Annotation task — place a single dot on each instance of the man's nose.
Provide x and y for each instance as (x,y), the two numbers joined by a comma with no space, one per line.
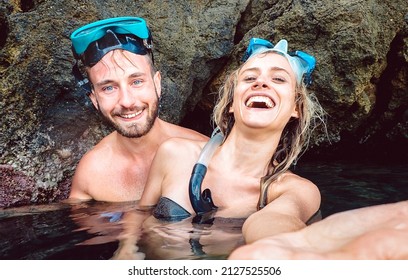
(127,98)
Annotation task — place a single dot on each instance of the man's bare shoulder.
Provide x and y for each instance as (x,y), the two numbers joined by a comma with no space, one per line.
(92,164)
(100,154)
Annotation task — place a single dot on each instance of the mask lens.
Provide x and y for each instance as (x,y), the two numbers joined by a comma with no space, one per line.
(106,26)
(255,45)
(301,62)
(82,37)
(308,64)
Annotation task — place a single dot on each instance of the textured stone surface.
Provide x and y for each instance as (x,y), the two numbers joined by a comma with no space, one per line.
(47,123)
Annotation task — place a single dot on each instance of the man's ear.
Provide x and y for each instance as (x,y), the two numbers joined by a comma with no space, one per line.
(157,83)
(92,96)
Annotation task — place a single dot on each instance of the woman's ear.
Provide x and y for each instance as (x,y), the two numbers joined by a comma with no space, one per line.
(295,113)
(296,109)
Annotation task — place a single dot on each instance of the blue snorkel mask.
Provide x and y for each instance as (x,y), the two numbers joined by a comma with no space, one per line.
(92,41)
(302,63)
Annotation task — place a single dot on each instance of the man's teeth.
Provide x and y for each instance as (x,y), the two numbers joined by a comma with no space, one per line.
(129,116)
(259,102)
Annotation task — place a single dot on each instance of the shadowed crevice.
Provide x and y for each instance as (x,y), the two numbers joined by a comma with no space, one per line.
(27,5)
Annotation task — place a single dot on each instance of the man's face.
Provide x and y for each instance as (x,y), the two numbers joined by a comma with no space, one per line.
(126,92)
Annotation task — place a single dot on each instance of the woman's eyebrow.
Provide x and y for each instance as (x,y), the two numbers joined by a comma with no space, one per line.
(271,69)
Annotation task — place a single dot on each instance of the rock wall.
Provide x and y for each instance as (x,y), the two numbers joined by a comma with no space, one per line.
(47,123)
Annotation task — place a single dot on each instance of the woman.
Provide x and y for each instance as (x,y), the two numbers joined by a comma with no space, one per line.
(265,114)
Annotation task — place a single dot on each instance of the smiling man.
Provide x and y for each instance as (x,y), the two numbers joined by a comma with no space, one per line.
(125,88)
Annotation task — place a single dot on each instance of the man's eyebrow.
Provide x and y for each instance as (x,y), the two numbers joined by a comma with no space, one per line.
(103,82)
(107,81)
(137,74)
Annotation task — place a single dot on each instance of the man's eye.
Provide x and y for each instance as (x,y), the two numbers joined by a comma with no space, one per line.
(108,88)
(137,82)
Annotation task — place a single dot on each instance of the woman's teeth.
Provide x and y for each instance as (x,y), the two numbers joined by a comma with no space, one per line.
(259,102)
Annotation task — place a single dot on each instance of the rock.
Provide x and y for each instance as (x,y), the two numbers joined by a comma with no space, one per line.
(48,123)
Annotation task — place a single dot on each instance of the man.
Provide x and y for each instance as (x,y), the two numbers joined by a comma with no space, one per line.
(125,88)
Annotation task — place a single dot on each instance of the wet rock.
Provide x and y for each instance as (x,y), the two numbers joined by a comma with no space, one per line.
(48,123)
(16,189)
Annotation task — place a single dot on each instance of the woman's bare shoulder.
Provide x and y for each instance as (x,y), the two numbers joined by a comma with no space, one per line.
(296,188)
(180,146)
(290,180)
(176,131)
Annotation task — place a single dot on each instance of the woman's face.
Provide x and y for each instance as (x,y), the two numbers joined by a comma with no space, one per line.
(265,93)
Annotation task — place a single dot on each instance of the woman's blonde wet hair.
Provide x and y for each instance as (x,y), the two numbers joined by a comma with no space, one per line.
(295,136)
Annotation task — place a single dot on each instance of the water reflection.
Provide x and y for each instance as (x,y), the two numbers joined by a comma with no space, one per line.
(98,230)
(59,231)
(185,240)
(350,185)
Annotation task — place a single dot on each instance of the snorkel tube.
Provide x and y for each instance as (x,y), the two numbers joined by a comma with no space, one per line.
(202,202)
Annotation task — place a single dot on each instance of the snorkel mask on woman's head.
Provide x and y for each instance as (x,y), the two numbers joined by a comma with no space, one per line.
(92,41)
(302,63)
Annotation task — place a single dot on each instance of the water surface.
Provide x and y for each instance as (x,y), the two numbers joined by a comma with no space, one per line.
(99,230)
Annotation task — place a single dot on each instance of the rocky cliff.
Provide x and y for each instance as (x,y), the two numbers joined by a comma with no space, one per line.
(47,123)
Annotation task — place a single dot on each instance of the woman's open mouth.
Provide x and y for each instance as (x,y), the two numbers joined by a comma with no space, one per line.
(260,101)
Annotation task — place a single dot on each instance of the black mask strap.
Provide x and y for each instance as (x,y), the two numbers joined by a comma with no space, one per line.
(80,79)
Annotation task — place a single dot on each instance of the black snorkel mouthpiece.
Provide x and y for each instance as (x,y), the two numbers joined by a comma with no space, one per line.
(202,202)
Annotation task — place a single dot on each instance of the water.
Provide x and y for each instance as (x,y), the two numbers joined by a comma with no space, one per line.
(349,185)
(98,230)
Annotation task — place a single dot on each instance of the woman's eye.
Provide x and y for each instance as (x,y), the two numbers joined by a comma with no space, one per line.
(249,78)
(279,79)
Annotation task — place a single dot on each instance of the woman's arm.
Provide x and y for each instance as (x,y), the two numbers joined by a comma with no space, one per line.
(292,201)
(171,168)
(159,168)
(375,232)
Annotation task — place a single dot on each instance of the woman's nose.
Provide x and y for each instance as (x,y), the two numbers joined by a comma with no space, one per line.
(259,83)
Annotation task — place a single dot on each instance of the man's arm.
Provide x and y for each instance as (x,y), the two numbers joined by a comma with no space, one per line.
(79,189)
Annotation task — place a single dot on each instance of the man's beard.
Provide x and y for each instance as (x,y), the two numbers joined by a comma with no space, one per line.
(136,130)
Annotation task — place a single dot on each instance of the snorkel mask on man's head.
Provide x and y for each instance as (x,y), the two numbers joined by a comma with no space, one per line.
(91,42)
(302,63)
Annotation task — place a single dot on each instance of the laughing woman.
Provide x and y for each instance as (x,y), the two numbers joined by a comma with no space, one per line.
(265,115)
